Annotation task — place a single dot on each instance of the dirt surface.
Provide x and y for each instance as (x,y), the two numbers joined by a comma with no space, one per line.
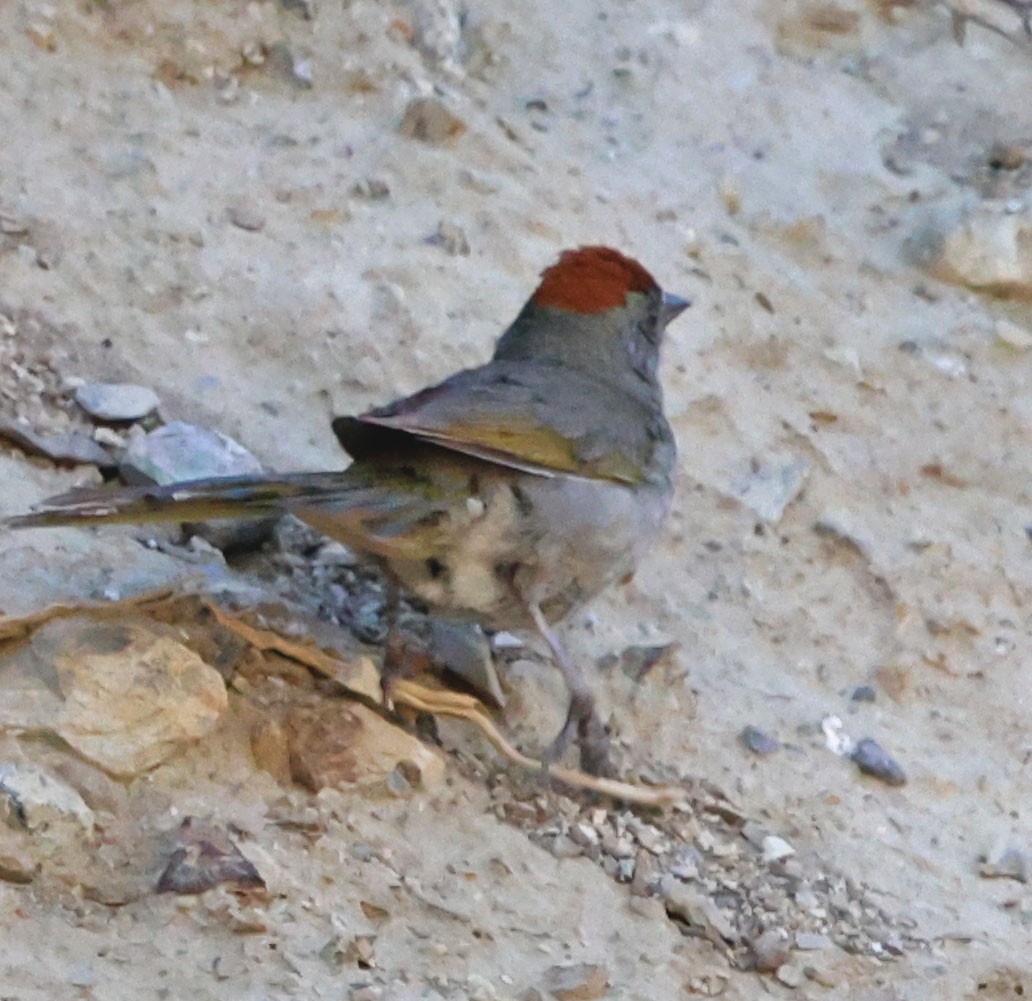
(240,206)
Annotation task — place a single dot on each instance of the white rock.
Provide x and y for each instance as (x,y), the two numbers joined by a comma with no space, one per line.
(1018,338)
(774,848)
(41,798)
(835,738)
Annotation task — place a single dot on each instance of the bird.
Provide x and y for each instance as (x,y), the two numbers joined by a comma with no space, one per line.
(510,494)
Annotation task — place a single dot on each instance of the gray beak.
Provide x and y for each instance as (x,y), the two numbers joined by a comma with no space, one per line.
(671,307)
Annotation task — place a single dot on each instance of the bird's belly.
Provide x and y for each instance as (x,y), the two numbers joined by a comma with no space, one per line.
(550,541)
(597,532)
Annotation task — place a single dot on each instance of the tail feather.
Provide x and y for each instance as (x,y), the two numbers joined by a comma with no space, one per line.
(192,500)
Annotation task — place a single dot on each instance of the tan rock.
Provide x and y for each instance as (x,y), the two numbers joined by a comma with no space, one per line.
(429,121)
(578,982)
(347,744)
(989,250)
(271,749)
(124,697)
(17,862)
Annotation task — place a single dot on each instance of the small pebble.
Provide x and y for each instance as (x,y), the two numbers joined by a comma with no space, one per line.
(770,951)
(836,739)
(754,833)
(507,641)
(367,992)
(246,216)
(821,976)
(646,877)
(696,908)
(648,907)
(304,75)
(362,852)
(579,982)
(811,941)
(873,760)
(625,869)
(584,834)
(1007,156)
(893,945)
(863,693)
(450,238)
(335,554)
(616,845)
(564,847)
(791,975)
(686,864)
(479,988)
(112,401)
(1013,336)
(373,189)
(1008,863)
(108,438)
(82,975)
(775,849)
(754,739)
(397,784)
(428,120)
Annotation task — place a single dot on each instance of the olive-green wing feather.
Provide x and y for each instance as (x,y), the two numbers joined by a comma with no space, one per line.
(542,419)
(190,500)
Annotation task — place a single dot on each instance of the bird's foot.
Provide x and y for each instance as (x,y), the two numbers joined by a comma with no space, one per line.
(585,725)
(404,656)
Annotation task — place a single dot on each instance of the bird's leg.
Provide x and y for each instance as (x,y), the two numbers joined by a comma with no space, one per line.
(393,666)
(582,721)
(404,656)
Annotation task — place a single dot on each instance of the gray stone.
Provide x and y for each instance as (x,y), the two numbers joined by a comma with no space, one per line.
(872,759)
(1007,862)
(245,215)
(769,950)
(180,451)
(791,975)
(811,941)
(114,401)
(69,446)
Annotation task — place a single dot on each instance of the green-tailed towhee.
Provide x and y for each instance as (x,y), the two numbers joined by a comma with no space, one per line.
(510,493)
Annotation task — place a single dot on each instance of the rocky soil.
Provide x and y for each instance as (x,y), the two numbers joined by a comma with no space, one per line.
(269,213)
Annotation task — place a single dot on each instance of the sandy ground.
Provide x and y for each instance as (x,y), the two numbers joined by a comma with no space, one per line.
(219,201)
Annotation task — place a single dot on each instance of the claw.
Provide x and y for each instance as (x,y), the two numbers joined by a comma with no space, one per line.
(584,724)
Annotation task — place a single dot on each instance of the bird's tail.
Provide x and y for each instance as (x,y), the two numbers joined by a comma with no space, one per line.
(191,500)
